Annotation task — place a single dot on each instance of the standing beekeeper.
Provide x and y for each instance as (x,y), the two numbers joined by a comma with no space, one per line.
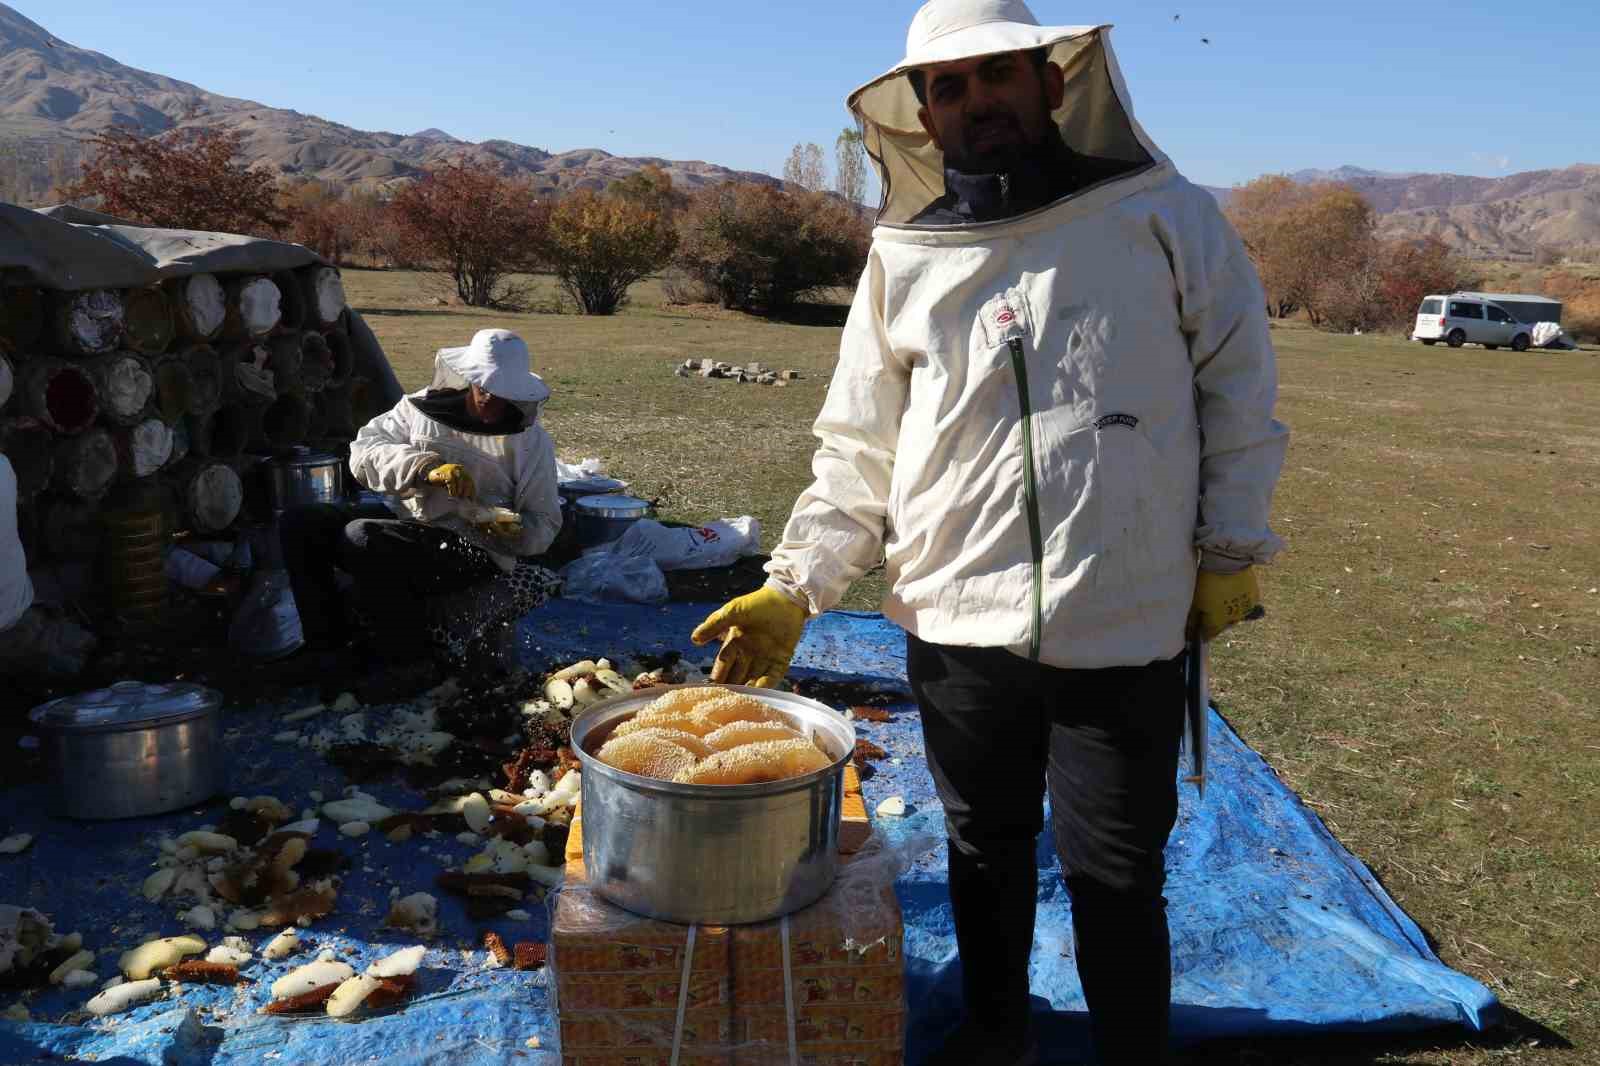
(1052,418)
(470,478)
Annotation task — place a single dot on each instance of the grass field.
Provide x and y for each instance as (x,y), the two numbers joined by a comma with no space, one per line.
(1428,677)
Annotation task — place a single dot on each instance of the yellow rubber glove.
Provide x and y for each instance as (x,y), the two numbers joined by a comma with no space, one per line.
(759,633)
(1224,600)
(455,479)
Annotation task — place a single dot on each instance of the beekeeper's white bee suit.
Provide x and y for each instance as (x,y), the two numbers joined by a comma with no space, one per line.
(1017,417)
(514,470)
(1052,418)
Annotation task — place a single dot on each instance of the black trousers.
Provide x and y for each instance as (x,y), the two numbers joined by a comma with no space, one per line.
(998,729)
(396,565)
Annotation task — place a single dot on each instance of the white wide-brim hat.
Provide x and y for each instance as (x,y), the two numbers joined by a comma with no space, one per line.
(943,31)
(497,362)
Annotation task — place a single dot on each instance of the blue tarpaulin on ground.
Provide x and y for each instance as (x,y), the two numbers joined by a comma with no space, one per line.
(1277,929)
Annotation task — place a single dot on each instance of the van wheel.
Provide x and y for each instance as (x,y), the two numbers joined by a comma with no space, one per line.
(1520,342)
(1456,338)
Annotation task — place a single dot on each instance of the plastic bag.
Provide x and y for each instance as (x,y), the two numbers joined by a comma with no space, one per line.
(1550,335)
(267,625)
(577,471)
(608,577)
(690,548)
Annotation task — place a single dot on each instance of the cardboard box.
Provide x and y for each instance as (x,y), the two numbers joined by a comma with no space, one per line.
(618,978)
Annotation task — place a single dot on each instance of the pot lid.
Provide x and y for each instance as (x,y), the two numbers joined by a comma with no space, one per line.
(591,486)
(127,704)
(300,455)
(614,506)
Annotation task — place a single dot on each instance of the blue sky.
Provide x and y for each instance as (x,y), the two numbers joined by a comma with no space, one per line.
(1473,87)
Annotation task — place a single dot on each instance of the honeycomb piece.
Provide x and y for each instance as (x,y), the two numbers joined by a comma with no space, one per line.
(689,742)
(770,760)
(680,700)
(736,707)
(678,721)
(737,734)
(646,756)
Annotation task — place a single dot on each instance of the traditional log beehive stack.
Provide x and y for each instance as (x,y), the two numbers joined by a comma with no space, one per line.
(179,388)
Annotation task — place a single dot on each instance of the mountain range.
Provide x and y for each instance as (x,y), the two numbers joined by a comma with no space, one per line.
(54,95)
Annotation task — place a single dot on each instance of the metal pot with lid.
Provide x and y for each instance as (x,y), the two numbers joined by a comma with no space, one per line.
(300,475)
(602,519)
(133,749)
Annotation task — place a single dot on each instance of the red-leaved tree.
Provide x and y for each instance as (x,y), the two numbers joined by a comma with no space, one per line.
(184,179)
(474,224)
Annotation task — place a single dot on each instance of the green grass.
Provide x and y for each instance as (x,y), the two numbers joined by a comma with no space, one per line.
(1427,678)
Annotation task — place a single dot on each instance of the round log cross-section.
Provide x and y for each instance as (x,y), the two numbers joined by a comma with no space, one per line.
(90,322)
(174,396)
(254,307)
(325,297)
(124,383)
(209,494)
(86,464)
(148,322)
(61,395)
(144,448)
(200,306)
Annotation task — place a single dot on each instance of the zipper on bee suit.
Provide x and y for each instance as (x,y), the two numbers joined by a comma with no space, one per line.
(1030,492)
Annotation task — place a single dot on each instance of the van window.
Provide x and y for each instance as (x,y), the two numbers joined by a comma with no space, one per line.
(1497,315)
(1461,310)
(1430,307)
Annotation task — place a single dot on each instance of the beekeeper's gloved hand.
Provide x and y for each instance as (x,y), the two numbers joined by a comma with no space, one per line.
(455,479)
(759,633)
(1224,600)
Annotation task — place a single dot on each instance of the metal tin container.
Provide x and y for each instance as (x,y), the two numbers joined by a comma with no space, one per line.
(717,854)
(602,519)
(133,749)
(577,489)
(301,475)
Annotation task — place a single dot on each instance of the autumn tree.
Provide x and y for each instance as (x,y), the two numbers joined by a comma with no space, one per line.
(805,167)
(320,218)
(1309,243)
(1412,269)
(598,246)
(850,165)
(762,249)
(474,224)
(650,187)
(188,178)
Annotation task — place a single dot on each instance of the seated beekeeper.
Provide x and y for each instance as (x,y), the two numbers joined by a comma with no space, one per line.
(1052,419)
(470,479)
(33,638)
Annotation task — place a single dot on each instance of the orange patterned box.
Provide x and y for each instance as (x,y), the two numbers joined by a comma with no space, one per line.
(618,978)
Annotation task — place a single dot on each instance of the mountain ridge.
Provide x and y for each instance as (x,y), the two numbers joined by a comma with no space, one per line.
(55,95)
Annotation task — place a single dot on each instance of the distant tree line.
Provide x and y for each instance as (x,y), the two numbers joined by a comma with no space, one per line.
(753,247)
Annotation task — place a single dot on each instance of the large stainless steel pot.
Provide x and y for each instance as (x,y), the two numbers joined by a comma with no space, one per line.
(302,475)
(133,749)
(716,854)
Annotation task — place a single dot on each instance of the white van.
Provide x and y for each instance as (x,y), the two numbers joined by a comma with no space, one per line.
(1489,319)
